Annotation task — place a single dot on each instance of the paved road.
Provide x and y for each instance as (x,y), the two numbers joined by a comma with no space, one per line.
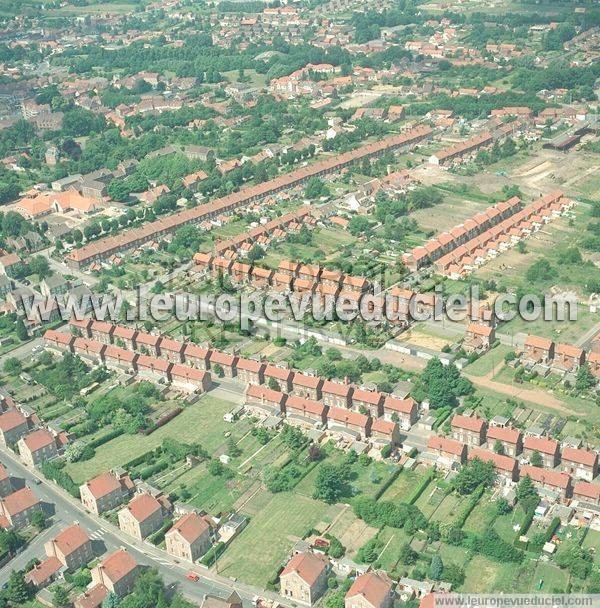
(107,537)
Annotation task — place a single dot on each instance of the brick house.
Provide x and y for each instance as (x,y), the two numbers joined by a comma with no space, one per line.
(370,590)
(189,538)
(567,357)
(147,344)
(479,338)
(509,438)
(240,273)
(17,508)
(37,447)
(385,432)
(547,448)
(81,327)
(553,481)
(305,412)
(250,372)
(262,399)
(336,394)
(404,411)
(505,467)
(307,386)
(143,516)
(72,547)
(282,283)
(124,337)
(281,375)
(118,358)
(288,268)
(196,356)
(117,573)
(171,350)
(13,426)
(593,360)
(153,368)
(450,451)
(90,350)
(582,464)
(44,572)
(225,361)
(261,277)
(364,400)
(101,331)
(58,341)
(587,492)
(538,350)
(5,482)
(189,378)
(468,429)
(304,578)
(106,491)
(343,420)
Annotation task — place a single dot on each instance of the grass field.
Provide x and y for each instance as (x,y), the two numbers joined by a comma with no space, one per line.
(190,426)
(493,359)
(403,485)
(548,578)
(275,524)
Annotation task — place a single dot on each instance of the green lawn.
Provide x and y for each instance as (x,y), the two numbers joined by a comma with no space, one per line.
(403,485)
(278,521)
(481,517)
(201,422)
(493,359)
(548,578)
(392,540)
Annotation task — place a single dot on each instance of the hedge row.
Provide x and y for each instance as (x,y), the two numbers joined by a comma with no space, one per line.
(213,554)
(381,491)
(412,499)
(468,508)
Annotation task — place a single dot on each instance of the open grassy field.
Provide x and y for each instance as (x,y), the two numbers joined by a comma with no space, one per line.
(491,360)
(190,426)
(275,524)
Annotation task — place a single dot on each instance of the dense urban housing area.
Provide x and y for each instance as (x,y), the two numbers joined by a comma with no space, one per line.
(414,185)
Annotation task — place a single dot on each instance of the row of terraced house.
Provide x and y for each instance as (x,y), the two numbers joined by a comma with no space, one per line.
(546,355)
(503,236)
(305,399)
(512,454)
(320,283)
(105,247)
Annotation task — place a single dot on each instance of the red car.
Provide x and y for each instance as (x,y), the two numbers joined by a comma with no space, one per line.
(192,576)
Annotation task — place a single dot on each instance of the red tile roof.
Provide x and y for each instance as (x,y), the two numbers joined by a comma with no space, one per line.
(305,405)
(11,419)
(587,490)
(42,572)
(308,566)
(306,381)
(372,397)
(71,539)
(38,440)
(347,417)
(103,484)
(336,388)
(500,461)
(546,476)
(191,527)
(143,506)
(469,423)
(444,444)
(586,457)
(374,587)
(538,342)
(540,444)
(117,565)
(264,393)
(20,501)
(404,406)
(92,597)
(507,434)
(249,365)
